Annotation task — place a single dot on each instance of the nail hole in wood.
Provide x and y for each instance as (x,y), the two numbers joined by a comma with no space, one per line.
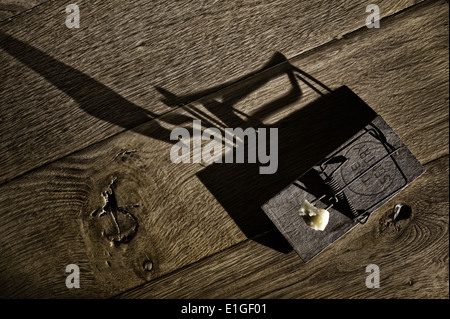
(147,265)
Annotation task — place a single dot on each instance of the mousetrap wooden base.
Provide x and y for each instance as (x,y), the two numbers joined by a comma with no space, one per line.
(351,183)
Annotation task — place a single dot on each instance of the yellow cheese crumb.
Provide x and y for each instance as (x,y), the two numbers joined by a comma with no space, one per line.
(314,217)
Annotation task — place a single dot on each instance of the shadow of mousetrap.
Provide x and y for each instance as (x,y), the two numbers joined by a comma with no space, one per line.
(352,182)
(333,151)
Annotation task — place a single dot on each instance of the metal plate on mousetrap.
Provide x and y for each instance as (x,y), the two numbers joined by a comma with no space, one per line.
(355,180)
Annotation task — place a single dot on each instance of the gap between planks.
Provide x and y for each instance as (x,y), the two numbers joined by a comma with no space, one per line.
(229,84)
(17,9)
(216,69)
(133,292)
(347,255)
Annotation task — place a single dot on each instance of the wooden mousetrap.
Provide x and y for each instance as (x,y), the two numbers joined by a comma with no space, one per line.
(351,183)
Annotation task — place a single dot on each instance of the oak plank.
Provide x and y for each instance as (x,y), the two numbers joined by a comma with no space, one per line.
(412,256)
(9,8)
(83,85)
(48,220)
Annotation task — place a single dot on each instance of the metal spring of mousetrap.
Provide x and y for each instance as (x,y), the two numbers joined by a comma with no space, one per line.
(335,193)
(336,196)
(339,196)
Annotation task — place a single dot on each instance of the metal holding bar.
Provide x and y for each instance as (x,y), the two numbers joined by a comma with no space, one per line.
(335,193)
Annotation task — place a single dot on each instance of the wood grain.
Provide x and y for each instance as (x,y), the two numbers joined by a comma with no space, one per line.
(412,255)
(83,85)
(48,221)
(9,8)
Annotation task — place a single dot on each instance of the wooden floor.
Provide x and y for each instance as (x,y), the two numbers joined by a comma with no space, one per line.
(81,108)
